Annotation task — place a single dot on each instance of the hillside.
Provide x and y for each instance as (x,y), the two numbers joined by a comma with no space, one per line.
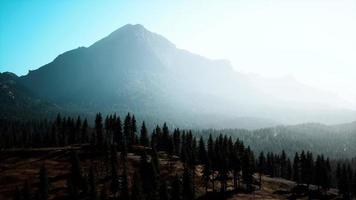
(16,101)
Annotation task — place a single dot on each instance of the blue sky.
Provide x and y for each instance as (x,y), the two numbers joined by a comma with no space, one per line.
(311,40)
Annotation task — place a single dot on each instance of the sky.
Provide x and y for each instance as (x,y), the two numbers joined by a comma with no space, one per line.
(313,41)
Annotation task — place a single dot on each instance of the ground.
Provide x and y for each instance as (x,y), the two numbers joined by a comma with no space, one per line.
(18,166)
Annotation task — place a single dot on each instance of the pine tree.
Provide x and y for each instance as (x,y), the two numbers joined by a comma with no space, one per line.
(155,160)
(84,132)
(202,154)
(118,137)
(289,169)
(261,166)
(72,189)
(76,173)
(133,124)
(44,183)
(248,168)
(103,193)
(176,188)
(125,184)
(99,129)
(163,191)
(144,135)
(114,186)
(207,173)
(26,191)
(136,192)
(296,168)
(92,185)
(354,184)
(188,185)
(177,141)
(17,194)
(283,164)
(128,129)
(236,163)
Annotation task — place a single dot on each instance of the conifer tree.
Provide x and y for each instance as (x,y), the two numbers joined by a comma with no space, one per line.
(188,185)
(261,167)
(136,192)
(155,160)
(128,129)
(17,194)
(296,168)
(26,191)
(118,137)
(72,189)
(144,141)
(44,183)
(114,186)
(176,188)
(125,184)
(163,191)
(99,129)
(202,154)
(84,132)
(92,185)
(207,174)
(103,193)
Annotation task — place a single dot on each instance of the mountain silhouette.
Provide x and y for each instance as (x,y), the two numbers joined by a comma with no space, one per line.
(135,70)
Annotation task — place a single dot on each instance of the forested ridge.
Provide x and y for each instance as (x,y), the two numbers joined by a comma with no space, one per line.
(204,167)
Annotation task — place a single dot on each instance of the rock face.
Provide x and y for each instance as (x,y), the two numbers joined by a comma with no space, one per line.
(135,70)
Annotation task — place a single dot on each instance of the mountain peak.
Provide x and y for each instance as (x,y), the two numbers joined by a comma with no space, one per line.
(136,33)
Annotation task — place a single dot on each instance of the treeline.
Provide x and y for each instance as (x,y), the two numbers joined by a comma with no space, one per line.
(217,162)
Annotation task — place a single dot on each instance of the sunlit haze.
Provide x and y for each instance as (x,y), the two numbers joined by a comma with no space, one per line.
(311,40)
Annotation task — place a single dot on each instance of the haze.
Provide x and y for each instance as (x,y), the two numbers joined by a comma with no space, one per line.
(312,41)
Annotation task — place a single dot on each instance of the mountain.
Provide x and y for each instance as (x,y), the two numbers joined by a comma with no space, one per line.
(16,101)
(135,70)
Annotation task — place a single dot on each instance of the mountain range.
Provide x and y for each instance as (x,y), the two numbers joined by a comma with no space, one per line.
(135,70)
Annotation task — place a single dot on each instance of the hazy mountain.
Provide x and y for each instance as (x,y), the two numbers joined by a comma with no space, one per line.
(135,70)
(16,101)
(337,141)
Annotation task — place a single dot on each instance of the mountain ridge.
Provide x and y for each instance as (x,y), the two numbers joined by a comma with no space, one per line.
(136,70)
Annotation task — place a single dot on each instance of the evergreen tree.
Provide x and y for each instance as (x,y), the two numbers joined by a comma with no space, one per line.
(188,185)
(155,160)
(125,184)
(26,191)
(103,193)
(289,169)
(144,141)
(133,124)
(76,173)
(72,189)
(17,194)
(207,173)
(128,133)
(296,168)
(261,167)
(118,137)
(176,188)
(114,186)
(92,185)
(248,168)
(44,183)
(99,129)
(84,132)
(163,191)
(136,192)
(202,154)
